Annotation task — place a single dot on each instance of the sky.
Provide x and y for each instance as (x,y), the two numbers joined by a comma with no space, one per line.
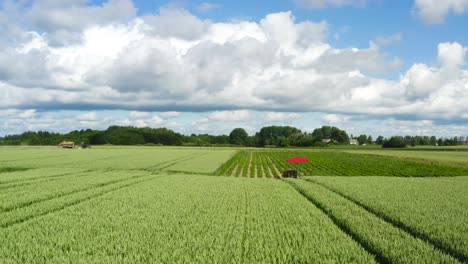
(376,67)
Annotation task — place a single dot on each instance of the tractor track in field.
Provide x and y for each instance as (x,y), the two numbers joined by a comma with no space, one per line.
(73,203)
(182,160)
(46,179)
(414,233)
(376,255)
(29,181)
(60,195)
(174,162)
(29,159)
(86,161)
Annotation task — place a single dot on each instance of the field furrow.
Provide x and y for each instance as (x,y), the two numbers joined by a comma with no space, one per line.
(23,214)
(387,242)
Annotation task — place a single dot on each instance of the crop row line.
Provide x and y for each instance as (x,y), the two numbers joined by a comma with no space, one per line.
(39,179)
(397,224)
(71,203)
(24,183)
(156,166)
(59,195)
(376,255)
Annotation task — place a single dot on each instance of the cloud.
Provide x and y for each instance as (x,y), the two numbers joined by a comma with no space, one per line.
(18,114)
(174,61)
(206,7)
(230,116)
(91,116)
(422,81)
(435,11)
(331,119)
(170,114)
(280,117)
(314,4)
(389,40)
(64,20)
(139,115)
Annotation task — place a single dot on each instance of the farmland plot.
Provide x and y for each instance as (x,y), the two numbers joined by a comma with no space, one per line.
(171,219)
(332,163)
(147,205)
(196,160)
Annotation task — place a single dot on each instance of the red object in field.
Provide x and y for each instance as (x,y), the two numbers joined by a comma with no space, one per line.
(297,159)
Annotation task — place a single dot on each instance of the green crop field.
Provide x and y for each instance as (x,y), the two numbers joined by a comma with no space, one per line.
(262,163)
(226,205)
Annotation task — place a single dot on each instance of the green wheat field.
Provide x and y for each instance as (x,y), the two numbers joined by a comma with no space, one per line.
(215,205)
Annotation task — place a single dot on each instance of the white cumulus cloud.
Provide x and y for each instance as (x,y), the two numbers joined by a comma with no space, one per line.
(172,62)
(435,11)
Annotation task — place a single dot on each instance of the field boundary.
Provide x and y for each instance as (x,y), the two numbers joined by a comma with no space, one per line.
(460,257)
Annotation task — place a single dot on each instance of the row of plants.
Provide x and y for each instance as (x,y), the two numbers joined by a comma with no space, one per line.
(328,163)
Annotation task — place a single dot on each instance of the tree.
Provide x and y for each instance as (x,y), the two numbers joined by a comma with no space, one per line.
(238,136)
(272,135)
(379,140)
(332,133)
(395,142)
(362,139)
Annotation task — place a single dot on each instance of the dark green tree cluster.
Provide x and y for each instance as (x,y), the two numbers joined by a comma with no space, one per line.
(364,139)
(334,134)
(115,135)
(275,136)
(394,142)
(278,136)
(284,136)
(238,136)
(421,141)
(206,140)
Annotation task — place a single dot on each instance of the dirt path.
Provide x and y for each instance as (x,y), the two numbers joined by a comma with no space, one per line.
(234,171)
(250,165)
(276,169)
(271,173)
(263,170)
(256,172)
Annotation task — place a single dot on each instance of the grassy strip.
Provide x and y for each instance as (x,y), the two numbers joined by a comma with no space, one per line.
(389,243)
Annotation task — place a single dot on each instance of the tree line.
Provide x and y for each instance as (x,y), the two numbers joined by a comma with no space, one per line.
(270,136)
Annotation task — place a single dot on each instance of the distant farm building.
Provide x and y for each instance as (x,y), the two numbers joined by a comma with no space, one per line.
(353,141)
(326,141)
(67,144)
